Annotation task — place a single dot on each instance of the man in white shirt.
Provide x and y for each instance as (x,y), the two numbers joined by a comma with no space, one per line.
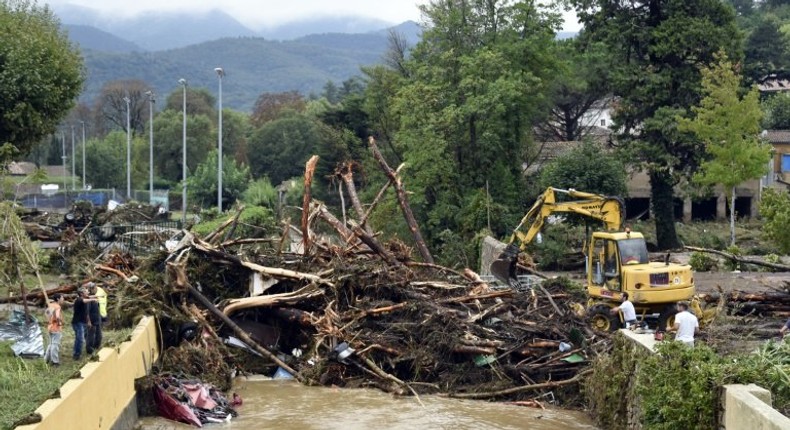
(686,325)
(627,308)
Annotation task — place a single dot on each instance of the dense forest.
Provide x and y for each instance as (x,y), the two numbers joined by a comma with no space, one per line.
(465,111)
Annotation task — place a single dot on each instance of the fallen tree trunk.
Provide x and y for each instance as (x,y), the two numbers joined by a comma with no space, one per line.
(243,335)
(514,390)
(739,259)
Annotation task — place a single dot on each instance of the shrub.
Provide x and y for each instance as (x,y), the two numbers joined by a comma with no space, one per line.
(678,387)
(261,192)
(254,221)
(732,264)
(702,262)
(775,209)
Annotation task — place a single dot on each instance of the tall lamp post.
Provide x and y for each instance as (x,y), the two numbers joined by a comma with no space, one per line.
(63,157)
(83,154)
(151,102)
(183,83)
(73,172)
(220,74)
(128,148)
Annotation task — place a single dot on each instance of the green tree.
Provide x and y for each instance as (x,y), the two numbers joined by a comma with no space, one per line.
(199,102)
(657,49)
(775,210)
(586,168)
(729,126)
(202,185)
(168,143)
(270,106)
(767,49)
(777,112)
(280,148)
(582,83)
(41,73)
(477,81)
(236,129)
(105,161)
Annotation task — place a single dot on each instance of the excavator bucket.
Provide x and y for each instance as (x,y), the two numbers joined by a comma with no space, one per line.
(504,267)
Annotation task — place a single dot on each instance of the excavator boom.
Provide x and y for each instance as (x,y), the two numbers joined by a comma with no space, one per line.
(609,210)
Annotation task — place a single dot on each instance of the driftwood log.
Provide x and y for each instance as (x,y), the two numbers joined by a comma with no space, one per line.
(742,260)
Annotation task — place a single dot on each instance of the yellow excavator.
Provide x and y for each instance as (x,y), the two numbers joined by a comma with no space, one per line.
(616,261)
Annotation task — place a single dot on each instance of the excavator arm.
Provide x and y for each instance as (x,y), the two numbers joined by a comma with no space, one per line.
(609,210)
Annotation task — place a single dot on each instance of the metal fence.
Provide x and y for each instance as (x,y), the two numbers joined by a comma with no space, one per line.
(135,238)
(99,197)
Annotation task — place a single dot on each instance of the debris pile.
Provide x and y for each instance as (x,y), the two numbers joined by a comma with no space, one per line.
(768,303)
(358,321)
(350,310)
(52,226)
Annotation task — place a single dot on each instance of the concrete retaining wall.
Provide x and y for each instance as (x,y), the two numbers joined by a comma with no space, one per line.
(749,407)
(104,396)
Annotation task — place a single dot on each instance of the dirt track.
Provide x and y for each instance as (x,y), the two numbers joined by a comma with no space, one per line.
(707,282)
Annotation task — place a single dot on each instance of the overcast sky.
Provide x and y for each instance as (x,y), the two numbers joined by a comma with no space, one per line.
(269,13)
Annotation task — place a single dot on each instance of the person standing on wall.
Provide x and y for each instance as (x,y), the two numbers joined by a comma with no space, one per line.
(629,313)
(54,315)
(93,340)
(686,325)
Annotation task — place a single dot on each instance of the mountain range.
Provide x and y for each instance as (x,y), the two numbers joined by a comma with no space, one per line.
(161,48)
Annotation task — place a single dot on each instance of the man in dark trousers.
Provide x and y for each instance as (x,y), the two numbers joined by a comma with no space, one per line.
(80,321)
(93,341)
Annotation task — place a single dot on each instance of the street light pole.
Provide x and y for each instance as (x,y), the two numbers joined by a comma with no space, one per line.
(151,102)
(63,147)
(73,172)
(128,149)
(220,74)
(83,154)
(183,83)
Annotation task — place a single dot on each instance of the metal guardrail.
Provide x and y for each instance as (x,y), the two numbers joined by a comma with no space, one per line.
(525,282)
(138,237)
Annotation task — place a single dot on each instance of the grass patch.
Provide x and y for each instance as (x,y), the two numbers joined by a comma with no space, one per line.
(26,383)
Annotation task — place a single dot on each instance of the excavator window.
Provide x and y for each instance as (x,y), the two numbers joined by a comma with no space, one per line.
(633,251)
(604,264)
(611,268)
(596,262)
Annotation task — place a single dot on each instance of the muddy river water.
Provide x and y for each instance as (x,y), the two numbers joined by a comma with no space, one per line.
(289,405)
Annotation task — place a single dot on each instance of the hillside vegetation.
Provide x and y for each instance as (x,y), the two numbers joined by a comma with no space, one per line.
(252,65)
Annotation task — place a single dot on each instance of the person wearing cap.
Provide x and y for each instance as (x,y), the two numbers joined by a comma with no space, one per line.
(686,325)
(54,315)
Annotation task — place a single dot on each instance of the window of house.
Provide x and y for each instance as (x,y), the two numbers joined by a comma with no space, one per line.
(785,162)
(603,123)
